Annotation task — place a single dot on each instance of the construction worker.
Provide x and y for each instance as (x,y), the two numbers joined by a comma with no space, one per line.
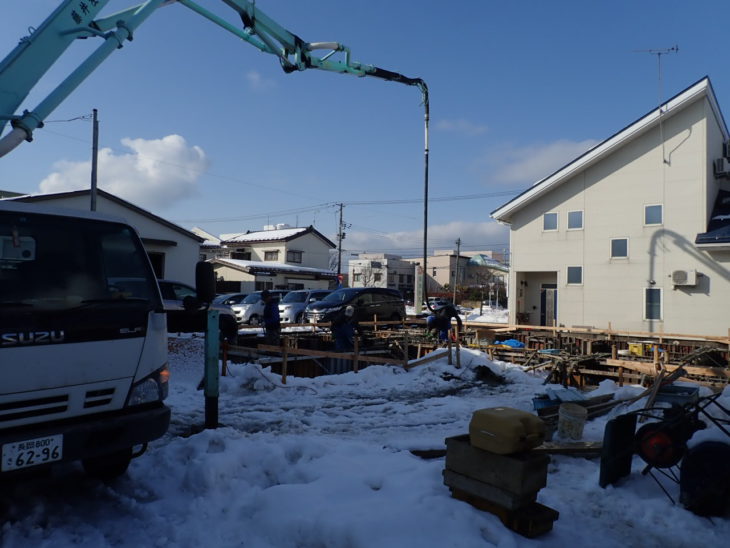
(440,320)
(272,322)
(344,328)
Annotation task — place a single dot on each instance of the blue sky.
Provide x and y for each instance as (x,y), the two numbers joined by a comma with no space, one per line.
(207,131)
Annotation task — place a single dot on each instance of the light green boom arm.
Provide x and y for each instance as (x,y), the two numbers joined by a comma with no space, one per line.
(21,70)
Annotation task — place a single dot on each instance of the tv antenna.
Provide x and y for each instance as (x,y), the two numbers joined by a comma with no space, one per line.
(659,53)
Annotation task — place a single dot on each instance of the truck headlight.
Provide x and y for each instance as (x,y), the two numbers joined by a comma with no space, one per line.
(150,389)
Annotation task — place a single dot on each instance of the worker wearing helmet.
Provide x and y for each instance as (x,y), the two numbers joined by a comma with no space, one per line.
(344,328)
(440,320)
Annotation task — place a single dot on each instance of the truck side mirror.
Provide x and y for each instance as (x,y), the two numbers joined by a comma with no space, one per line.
(205,281)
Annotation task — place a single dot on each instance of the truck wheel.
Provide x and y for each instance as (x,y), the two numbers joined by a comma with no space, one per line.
(107,467)
(254,320)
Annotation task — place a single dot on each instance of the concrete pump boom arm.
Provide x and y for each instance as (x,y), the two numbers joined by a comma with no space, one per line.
(21,70)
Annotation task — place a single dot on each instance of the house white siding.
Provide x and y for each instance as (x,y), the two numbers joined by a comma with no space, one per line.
(668,165)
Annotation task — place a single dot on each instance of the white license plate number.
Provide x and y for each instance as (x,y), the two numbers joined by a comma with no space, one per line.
(26,453)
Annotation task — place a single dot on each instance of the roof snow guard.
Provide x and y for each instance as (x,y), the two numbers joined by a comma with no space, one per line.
(718,229)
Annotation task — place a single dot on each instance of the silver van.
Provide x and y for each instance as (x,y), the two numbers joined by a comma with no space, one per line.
(291,307)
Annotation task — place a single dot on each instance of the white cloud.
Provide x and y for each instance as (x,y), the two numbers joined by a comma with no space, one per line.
(475,236)
(257,82)
(529,164)
(157,173)
(460,126)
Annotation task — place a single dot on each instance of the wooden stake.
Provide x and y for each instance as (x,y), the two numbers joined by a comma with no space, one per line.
(405,350)
(448,345)
(458,347)
(356,350)
(285,342)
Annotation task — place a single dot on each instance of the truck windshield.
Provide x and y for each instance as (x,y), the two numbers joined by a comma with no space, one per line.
(56,262)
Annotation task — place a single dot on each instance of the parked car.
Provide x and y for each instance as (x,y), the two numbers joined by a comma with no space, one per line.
(369,302)
(291,307)
(180,320)
(230,298)
(251,309)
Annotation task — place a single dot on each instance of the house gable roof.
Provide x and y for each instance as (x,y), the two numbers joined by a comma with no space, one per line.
(258,267)
(701,88)
(30,198)
(279,235)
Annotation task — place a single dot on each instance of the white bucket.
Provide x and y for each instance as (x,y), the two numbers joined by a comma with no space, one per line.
(571,419)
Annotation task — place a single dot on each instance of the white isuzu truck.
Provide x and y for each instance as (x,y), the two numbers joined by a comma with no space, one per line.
(83,341)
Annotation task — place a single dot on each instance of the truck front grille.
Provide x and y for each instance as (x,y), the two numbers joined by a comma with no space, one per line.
(95,398)
(33,408)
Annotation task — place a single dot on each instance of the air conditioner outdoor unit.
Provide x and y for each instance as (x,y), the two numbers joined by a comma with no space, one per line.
(684,277)
(722,167)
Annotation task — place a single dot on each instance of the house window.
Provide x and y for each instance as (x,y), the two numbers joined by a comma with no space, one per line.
(652,303)
(575,275)
(575,220)
(434,272)
(271,255)
(409,278)
(241,255)
(401,278)
(620,248)
(377,277)
(294,256)
(356,277)
(653,214)
(550,221)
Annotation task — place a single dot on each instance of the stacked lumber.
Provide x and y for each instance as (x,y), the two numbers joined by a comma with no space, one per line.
(503,485)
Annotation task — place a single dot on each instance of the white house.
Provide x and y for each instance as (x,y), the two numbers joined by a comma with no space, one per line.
(278,257)
(634,233)
(173,251)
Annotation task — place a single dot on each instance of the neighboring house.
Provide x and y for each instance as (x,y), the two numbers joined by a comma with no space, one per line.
(304,246)
(382,270)
(210,248)
(278,257)
(248,276)
(173,251)
(635,233)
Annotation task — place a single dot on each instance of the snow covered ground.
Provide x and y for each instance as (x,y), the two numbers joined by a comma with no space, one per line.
(326,462)
(489,314)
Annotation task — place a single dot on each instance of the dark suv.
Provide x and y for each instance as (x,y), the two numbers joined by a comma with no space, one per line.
(369,302)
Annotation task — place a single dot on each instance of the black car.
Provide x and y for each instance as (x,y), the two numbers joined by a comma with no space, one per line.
(369,302)
(180,320)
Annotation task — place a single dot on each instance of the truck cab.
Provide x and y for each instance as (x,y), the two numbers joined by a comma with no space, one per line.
(83,341)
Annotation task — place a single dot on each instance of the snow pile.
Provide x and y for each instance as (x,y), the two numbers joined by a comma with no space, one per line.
(326,462)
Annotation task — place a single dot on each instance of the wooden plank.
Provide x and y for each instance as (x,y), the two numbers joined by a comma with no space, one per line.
(521,474)
(486,491)
(325,354)
(580,448)
(427,359)
(648,368)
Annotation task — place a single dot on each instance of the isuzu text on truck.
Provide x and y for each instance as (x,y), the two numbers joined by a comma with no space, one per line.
(83,341)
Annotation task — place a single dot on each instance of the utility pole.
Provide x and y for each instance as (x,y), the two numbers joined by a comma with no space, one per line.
(340,237)
(456,272)
(94,159)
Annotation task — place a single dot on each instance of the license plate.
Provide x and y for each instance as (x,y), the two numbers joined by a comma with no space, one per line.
(26,453)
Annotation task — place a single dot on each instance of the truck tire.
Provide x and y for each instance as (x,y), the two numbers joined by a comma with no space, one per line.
(108,467)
